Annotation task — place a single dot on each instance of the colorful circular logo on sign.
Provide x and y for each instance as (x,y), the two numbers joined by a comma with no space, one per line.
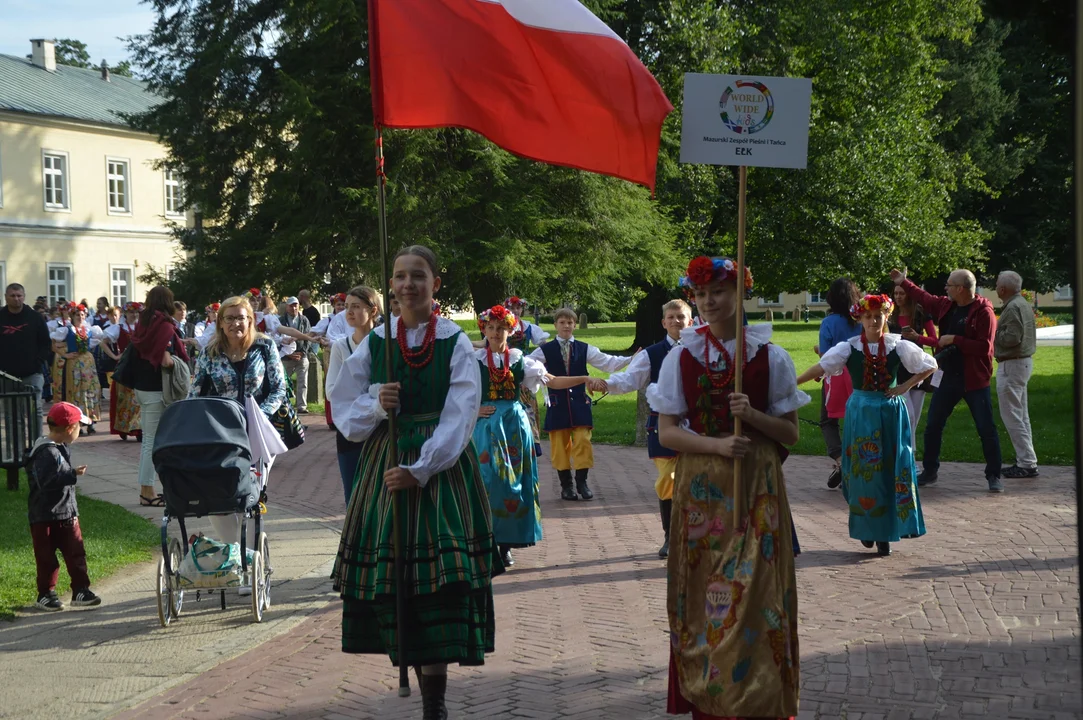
(748,109)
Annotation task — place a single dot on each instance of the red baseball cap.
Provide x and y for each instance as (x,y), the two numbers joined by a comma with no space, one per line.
(64,414)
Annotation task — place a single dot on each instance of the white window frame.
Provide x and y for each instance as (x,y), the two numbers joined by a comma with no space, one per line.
(65,181)
(1063,293)
(178,192)
(131,283)
(777,302)
(126,178)
(821,300)
(49,283)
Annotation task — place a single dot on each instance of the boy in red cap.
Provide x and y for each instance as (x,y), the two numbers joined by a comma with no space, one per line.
(54,515)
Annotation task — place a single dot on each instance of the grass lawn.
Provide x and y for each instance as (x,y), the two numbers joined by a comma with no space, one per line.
(113,536)
(1051,405)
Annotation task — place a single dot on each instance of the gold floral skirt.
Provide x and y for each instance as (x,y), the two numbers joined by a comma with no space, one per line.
(732,591)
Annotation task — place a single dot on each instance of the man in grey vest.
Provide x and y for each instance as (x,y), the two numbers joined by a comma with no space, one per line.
(1013,348)
(297,361)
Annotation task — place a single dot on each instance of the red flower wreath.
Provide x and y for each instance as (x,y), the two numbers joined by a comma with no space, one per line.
(499,313)
(701,270)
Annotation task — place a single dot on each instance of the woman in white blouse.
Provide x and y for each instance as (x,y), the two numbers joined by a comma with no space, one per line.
(362,311)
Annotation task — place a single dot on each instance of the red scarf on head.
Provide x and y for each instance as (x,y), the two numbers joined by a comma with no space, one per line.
(152,340)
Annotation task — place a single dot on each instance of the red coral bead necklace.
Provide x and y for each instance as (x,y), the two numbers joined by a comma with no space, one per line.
(418,359)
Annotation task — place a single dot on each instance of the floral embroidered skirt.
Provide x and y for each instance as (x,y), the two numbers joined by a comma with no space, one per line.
(878,472)
(450,558)
(509,468)
(123,411)
(76,381)
(732,590)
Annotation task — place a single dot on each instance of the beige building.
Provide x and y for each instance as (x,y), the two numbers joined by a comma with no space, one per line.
(83,211)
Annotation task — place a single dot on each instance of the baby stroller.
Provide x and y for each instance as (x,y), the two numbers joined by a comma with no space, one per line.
(202,456)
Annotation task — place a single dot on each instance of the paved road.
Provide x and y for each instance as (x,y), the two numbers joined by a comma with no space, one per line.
(979,619)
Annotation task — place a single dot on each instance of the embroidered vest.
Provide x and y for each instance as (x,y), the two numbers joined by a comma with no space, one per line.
(567,408)
(656,354)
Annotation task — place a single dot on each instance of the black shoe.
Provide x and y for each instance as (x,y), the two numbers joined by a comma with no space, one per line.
(49,603)
(581,485)
(925,479)
(567,492)
(883,549)
(663,552)
(505,556)
(85,598)
(1016,472)
(868,543)
(995,485)
(433,690)
(90,430)
(835,479)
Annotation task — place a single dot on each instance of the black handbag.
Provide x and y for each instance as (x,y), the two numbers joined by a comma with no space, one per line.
(284,419)
(124,372)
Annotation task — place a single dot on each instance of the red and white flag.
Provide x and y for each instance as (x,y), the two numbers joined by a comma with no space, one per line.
(544,79)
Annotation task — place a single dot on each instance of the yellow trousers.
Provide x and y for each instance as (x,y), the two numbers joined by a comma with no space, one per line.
(568,447)
(664,484)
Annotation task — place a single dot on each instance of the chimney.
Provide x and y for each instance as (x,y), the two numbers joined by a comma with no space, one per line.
(43,54)
(105,71)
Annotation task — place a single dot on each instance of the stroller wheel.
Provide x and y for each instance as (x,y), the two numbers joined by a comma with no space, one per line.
(265,551)
(170,595)
(259,586)
(176,556)
(165,602)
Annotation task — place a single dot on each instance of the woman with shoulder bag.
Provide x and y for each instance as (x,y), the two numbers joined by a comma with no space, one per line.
(156,344)
(239,363)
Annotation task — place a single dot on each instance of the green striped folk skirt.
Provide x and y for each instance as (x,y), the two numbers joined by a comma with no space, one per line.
(450,558)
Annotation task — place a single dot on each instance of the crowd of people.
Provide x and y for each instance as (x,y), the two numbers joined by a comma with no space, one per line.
(469,435)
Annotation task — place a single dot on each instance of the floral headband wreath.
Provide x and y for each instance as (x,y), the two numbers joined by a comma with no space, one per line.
(340,297)
(253,293)
(133,307)
(872,303)
(704,271)
(514,301)
(213,307)
(498,313)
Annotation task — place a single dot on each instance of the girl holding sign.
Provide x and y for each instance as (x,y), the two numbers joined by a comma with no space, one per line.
(732,596)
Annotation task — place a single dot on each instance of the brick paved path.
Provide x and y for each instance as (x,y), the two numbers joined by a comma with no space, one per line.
(979,619)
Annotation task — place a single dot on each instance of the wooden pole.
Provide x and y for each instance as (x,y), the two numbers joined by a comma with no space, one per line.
(739,350)
(392,423)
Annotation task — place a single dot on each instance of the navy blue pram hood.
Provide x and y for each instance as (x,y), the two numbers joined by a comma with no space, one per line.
(203,459)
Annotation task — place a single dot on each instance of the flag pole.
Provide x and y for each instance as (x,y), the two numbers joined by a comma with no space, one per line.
(739,350)
(392,423)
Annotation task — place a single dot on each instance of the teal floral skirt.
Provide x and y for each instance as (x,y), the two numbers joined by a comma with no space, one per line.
(878,472)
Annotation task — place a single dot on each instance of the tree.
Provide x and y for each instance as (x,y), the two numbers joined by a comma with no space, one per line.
(267,108)
(74,53)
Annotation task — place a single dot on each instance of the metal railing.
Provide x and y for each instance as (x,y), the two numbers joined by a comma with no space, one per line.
(18,416)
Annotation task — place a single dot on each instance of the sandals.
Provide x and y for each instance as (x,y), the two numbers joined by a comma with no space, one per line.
(152,502)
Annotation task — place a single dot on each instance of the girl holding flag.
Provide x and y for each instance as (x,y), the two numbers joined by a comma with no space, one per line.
(444,522)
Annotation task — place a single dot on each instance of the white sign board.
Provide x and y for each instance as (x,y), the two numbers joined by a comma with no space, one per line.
(745,120)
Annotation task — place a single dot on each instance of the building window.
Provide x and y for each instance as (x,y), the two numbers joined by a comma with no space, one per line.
(54,167)
(817,298)
(770,302)
(121,285)
(174,193)
(116,172)
(1064,292)
(59,283)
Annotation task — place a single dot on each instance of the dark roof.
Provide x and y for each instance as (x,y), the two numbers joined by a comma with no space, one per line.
(70,92)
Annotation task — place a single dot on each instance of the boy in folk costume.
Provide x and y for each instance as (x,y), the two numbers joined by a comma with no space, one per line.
(878,473)
(732,596)
(568,417)
(642,372)
(444,518)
